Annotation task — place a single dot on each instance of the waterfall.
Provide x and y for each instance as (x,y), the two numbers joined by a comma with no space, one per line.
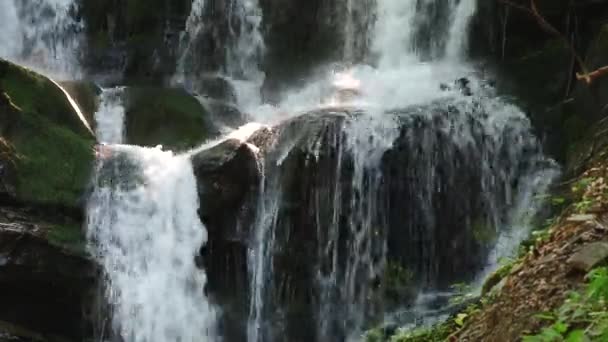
(110,116)
(357,26)
(457,43)
(145,232)
(42,34)
(237,50)
(427,154)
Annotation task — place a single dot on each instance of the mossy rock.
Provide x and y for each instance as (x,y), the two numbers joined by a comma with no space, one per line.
(69,236)
(168,117)
(51,146)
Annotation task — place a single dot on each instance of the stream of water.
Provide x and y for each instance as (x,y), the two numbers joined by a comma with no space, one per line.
(43,35)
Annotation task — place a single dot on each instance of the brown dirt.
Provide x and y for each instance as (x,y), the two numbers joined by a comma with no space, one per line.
(543,279)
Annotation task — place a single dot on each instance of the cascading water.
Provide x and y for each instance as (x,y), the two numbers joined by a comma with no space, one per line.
(236,53)
(378,206)
(42,34)
(144,230)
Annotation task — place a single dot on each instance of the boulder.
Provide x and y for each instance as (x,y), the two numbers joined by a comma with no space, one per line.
(47,284)
(228,177)
(169,117)
(216,87)
(224,114)
(46,145)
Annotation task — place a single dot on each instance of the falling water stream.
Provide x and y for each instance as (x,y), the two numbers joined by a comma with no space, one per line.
(43,35)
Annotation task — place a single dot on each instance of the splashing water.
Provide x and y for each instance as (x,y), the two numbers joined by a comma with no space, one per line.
(145,231)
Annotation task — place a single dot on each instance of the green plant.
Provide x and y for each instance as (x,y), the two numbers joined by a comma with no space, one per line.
(398,283)
(582,317)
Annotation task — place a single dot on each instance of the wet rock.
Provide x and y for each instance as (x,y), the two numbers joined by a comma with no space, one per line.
(224,114)
(86,94)
(228,178)
(168,117)
(216,87)
(589,256)
(44,287)
(300,36)
(54,145)
(136,40)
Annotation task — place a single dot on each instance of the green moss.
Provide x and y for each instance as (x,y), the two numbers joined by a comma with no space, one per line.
(52,147)
(34,93)
(69,237)
(53,163)
(169,117)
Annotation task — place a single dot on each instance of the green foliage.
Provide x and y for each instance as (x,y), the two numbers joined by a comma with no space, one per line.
(579,190)
(463,292)
(397,280)
(506,265)
(582,317)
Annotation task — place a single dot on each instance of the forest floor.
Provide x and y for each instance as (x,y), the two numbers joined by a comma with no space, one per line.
(552,268)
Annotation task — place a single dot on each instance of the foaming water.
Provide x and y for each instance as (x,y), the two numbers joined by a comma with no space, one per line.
(144,230)
(43,35)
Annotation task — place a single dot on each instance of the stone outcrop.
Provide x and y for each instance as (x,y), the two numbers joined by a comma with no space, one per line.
(47,284)
(46,145)
(308,172)
(169,117)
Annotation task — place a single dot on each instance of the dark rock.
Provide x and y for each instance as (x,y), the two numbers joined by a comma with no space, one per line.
(217,88)
(44,287)
(228,177)
(138,39)
(224,114)
(299,37)
(86,94)
(168,117)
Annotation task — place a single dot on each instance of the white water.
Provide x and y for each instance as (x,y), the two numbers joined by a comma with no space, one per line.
(245,55)
(144,229)
(457,44)
(194,26)
(43,35)
(110,116)
(145,232)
